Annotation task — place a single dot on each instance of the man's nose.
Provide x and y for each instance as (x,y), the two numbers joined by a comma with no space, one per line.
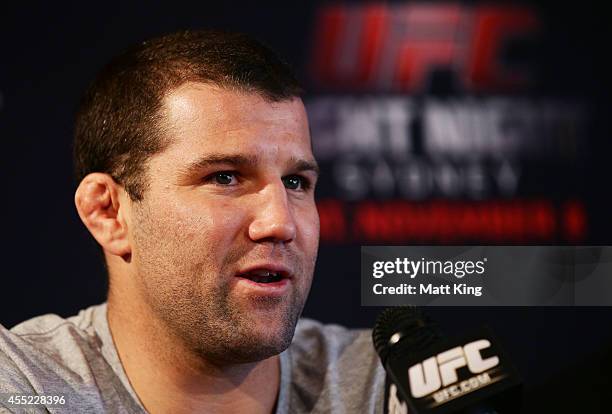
(273,219)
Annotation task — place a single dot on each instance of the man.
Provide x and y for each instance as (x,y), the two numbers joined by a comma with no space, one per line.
(197,180)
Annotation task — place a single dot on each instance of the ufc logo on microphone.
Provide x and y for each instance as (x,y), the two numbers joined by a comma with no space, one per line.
(441,370)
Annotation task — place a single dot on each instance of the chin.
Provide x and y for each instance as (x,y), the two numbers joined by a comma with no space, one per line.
(254,350)
(267,339)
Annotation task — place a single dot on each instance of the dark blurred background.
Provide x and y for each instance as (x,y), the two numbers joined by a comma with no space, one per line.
(434,123)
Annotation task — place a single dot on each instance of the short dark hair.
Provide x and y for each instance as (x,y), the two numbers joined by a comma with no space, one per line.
(118,121)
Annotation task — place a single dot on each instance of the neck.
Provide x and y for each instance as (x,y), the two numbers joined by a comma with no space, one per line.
(170,378)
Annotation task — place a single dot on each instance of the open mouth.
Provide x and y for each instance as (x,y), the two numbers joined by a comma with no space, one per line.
(263,276)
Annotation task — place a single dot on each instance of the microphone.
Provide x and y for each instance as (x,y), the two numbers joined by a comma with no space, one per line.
(430,374)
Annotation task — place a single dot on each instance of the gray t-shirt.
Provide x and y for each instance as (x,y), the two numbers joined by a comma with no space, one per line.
(327,369)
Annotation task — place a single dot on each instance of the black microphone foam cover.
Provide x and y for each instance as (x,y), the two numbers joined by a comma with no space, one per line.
(403,329)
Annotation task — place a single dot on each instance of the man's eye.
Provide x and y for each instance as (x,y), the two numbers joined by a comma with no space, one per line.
(224,178)
(295,182)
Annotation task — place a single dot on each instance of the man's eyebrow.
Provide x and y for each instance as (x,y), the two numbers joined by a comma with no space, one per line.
(304,165)
(242,161)
(215,159)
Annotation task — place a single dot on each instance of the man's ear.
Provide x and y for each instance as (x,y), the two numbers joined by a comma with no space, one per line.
(103,206)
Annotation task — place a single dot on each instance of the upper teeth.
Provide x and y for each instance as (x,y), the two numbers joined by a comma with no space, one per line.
(263,273)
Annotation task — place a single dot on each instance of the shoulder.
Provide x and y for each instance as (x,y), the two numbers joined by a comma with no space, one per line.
(51,355)
(335,369)
(47,341)
(50,339)
(49,325)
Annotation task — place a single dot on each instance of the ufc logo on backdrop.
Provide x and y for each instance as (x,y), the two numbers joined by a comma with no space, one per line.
(441,370)
(396,47)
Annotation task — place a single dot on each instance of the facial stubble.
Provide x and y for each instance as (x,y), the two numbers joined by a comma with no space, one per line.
(194,300)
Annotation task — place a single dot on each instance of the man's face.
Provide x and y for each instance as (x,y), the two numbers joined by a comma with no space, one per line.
(225,240)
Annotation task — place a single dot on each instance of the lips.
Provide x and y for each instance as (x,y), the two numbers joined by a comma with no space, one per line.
(265,274)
